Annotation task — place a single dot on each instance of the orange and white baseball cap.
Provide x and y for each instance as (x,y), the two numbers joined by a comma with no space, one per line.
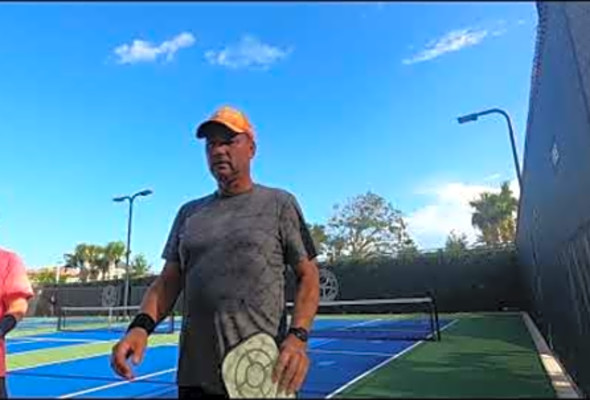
(230,118)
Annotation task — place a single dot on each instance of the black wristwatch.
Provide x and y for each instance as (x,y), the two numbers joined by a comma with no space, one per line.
(299,333)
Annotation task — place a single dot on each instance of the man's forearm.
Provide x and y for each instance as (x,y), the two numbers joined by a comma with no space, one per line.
(159,299)
(15,311)
(162,293)
(306,301)
(17,307)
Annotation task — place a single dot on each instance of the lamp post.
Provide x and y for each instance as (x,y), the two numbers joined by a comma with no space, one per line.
(473,117)
(131,198)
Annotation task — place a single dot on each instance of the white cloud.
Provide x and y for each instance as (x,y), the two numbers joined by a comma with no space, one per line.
(499,32)
(248,52)
(449,211)
(144,51)
(452,41)
(492,177)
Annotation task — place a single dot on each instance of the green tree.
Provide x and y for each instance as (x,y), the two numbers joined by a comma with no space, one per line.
(95,255)
(86,257)
(45,276)
(112,255)
(319,236)
(367,226)
(335,246)
(456,244)
(494,216)
(78,260)
(139,266)
(73,260)
(408,250)
(508,207)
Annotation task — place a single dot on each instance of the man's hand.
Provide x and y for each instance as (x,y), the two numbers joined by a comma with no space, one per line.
(132,345)
(292,365)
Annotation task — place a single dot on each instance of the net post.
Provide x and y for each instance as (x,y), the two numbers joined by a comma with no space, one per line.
(436,321)
(432,323)
(59,319)
(110,318)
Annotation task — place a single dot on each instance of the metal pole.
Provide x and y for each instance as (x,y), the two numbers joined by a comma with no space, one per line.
(473,117)
(512,140)
(126,295)
(514,155)
(128,252)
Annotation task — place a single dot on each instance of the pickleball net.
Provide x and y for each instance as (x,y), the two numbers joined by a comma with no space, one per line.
(113,319)
(413,318)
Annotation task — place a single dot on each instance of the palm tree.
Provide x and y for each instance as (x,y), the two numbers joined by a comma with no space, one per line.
(79,259)
(494,216)
(72,260)
(94,254)
(113,253)
(486,217)
(140,266)
(508,206)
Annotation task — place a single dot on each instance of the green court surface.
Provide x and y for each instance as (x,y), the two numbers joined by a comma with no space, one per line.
(480,356)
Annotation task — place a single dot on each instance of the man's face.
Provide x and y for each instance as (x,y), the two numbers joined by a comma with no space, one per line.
(228,154)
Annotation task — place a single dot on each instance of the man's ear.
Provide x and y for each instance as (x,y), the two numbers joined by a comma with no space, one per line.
(252,149)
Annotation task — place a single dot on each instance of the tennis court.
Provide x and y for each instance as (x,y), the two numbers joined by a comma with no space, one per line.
(354,355)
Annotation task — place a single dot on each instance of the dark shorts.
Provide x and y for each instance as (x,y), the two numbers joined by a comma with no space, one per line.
(196,392)
(3,394)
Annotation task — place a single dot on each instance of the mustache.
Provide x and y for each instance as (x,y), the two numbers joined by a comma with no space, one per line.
(220,161)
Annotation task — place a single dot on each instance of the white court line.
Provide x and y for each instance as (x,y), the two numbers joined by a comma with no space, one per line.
(20,353)
(81,357)
(115,384)
(378,366)
(48,339)
(21,341)
(352,353)
(321,342)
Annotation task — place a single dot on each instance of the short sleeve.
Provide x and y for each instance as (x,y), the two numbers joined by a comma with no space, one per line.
(295,236)
(171,248)
(16,283)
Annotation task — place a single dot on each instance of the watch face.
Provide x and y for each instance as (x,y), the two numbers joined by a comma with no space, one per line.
(300,333)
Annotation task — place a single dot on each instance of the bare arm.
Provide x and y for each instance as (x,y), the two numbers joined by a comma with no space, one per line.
(163,292)
(17,291)
(157,303)
(293,362)
(308,294)
(17,306)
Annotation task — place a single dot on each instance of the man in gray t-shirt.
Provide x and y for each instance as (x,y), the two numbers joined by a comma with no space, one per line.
(228,253)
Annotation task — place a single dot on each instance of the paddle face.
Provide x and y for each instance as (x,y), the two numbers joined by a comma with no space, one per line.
(247,369)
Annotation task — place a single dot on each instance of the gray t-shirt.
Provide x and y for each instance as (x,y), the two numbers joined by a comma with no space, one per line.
(233,252)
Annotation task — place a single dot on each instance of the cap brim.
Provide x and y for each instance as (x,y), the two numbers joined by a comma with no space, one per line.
(211,126)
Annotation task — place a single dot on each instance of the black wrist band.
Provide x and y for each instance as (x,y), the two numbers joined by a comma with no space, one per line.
(299,333)
(7,323)
(144,321)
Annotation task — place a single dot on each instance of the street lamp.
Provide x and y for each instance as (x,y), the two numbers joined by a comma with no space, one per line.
(146,192)
(473,117)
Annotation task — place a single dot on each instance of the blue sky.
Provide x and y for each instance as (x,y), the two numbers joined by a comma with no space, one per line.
(99,100)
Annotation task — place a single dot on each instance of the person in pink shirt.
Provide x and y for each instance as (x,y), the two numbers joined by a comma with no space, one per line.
(15,291)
